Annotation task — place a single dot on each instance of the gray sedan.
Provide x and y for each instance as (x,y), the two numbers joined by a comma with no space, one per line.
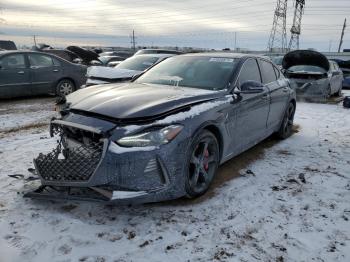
(163,135)
(27,73)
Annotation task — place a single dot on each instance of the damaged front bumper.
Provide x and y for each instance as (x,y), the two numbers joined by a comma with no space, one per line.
(88,165)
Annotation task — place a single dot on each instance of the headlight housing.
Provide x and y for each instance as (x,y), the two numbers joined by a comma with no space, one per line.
(151,137)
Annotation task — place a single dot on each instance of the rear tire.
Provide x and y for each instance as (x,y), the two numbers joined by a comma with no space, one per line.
(65,87)
(286,127)
(202,164)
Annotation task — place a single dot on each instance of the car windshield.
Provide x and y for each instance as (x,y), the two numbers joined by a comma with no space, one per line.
(138,63)
(205,72)
(306,68)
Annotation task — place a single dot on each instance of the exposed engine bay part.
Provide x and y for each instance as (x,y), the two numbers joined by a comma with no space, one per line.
(305,57)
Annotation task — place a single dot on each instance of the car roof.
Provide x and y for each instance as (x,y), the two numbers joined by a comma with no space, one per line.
(155,55)
(225,55)
(22,51)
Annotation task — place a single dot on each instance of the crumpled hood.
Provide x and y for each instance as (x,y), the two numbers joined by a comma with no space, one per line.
(305,57)
(136,101)
(112,73)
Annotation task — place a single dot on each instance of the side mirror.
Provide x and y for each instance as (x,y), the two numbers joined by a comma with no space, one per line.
(251,87)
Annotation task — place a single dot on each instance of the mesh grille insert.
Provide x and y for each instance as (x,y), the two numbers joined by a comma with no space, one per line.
(70,163)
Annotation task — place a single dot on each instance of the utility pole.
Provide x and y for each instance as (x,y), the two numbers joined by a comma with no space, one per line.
(278,35)
(34,39)
(133,40)
(342,36)
(235,47)
(296,27)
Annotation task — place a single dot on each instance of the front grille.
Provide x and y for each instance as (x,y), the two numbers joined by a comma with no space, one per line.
(71,160)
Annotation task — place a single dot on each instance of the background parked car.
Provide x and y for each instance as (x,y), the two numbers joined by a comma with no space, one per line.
(124,71)
(106,60)
(28,73)
(312,74)
(7,45)
(124,54)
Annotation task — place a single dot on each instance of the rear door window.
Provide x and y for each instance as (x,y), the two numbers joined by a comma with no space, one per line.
(15,61)
(267,72)
(249,71)
(39,60)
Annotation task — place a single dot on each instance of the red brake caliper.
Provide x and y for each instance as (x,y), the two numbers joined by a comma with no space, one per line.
(205,160)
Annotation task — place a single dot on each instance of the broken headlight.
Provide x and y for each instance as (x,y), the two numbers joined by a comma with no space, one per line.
(152,137)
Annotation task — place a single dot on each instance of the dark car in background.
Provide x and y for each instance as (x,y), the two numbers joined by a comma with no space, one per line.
(29,73)
(163,135)
(312,74)
(7,45)
(124,71)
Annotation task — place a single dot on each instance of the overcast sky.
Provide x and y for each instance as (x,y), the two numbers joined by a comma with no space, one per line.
(209,23)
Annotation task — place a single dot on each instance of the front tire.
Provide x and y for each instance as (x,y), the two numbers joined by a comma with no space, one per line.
(286,127)
(65,87)
(202,163)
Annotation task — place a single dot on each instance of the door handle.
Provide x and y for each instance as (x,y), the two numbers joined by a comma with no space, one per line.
(285,90)
(20,72)
(55,70)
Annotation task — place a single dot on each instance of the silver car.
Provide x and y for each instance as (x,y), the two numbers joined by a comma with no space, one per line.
(312,75)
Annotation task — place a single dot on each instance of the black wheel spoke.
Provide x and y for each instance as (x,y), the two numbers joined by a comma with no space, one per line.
(205,175)
(194,160)
(194,179)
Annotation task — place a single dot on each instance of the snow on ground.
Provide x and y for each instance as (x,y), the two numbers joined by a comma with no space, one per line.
(25,113)
(280,201)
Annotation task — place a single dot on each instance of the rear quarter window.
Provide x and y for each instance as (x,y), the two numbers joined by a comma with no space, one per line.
(267,72)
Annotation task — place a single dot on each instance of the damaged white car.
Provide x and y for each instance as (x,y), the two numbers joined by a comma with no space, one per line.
(124,71)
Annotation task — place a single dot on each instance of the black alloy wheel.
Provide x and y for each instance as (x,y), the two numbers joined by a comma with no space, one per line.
(286,128)
(203,162)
